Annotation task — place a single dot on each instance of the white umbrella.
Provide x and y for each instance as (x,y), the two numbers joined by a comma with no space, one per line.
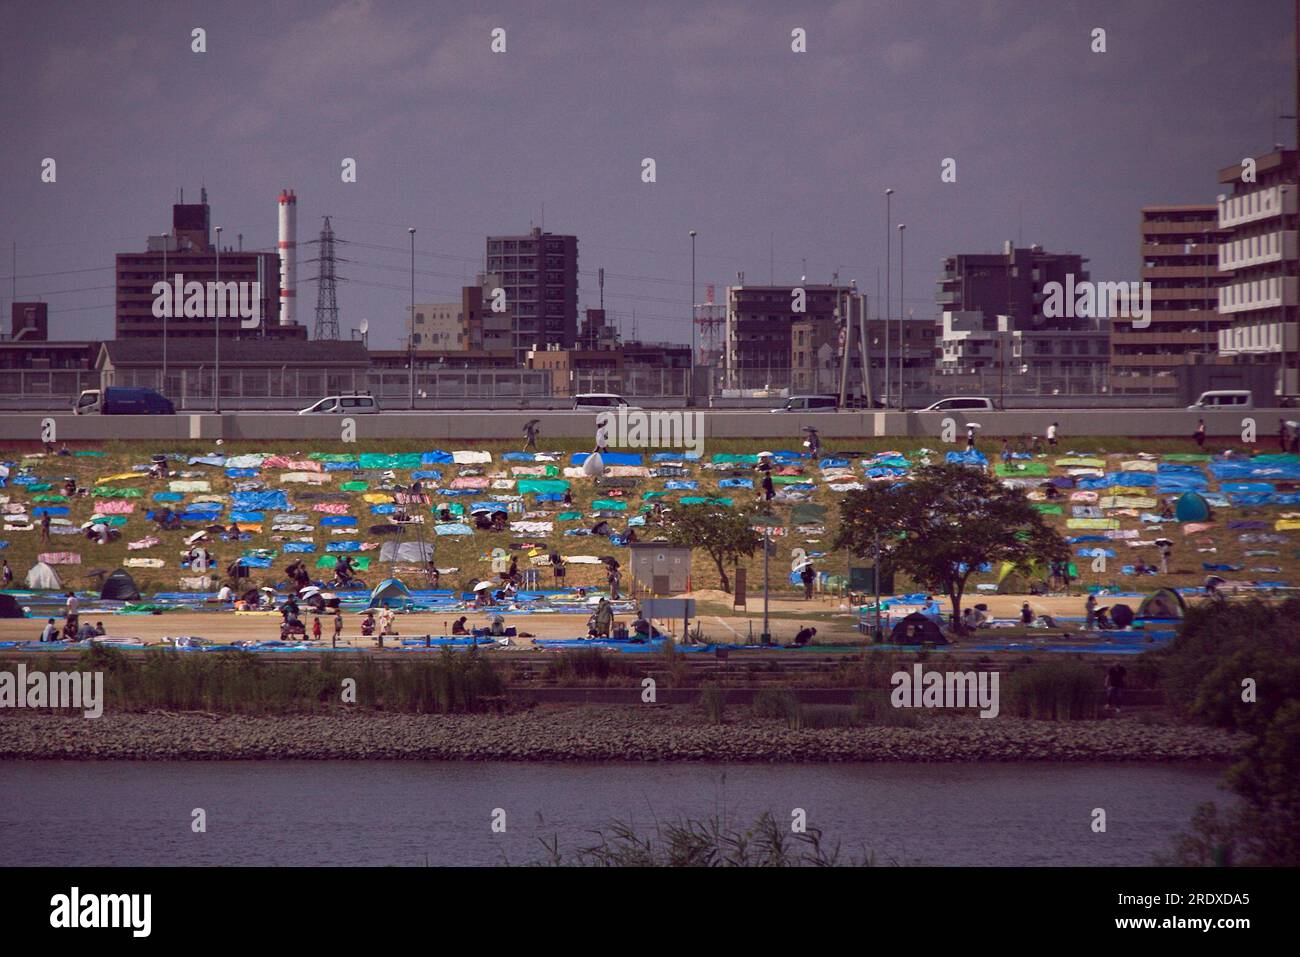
(593,465)
(761,454)
(973,425)
(309,591)
(196,537)
(482,585)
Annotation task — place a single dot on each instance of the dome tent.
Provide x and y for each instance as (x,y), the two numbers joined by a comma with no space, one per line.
(119,586)
(41,577)
(916,629)
(1164,603)
(1192,507)
(390,593)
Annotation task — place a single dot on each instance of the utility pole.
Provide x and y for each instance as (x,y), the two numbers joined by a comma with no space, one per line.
(889,246)
(216,373)
(901,347)
(410,339)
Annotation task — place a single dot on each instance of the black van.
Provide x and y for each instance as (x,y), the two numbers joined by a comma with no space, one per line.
(121,401)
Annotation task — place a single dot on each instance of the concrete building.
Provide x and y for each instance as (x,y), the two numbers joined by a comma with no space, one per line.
(35,366)
(816,357)
(188,250)
(759,330)
(1180,259)
(539,273)
(441,326)
(1260,255)
(994,333)
(251,370)
(577,371)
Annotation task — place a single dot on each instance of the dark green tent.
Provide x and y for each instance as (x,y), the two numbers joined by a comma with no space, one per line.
(120,586)
(9,607)
(916,629)
(1164,603)
(1192,507)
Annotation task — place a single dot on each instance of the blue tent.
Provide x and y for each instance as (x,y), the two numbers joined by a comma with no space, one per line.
(390,593)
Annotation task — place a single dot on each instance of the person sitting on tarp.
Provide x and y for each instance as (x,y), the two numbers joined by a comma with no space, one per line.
(498,626)
(641,630)
(168,520)
(602,528)
(804,636)
(458,626)
(85,630)
(1026,614)
(368,625)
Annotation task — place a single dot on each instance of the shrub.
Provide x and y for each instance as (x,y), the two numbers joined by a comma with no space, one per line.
(1056,691)
(714,700)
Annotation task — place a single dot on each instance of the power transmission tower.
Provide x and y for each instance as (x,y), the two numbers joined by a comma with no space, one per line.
(327,304)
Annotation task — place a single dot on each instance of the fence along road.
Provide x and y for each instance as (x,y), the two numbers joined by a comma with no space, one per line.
(765,427)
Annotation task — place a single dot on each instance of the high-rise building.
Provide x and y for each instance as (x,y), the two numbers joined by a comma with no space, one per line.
(1260,255)
(1180,259)
(759,330)
(187,250)
(539,273)
(994,323)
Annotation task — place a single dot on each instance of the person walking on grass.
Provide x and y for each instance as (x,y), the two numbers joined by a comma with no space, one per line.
(338,627)
(6,574)
(531,431)
(1200,434)
(807,575)
(45,526)
(1051,436)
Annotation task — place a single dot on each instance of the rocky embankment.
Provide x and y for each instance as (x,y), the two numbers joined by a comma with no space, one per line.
(650,733)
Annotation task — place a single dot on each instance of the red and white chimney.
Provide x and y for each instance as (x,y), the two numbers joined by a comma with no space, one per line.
(288,258)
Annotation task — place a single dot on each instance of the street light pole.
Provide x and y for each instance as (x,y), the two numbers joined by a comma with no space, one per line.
(901,350)
(166,313)
(889,246)
(410,338)
(216,372)
(690,382)
(766,637)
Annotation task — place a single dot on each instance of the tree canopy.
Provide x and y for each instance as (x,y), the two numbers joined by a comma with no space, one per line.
(725,534)
(943,525)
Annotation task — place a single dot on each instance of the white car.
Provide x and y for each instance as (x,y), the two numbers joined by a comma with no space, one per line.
(961,403)
(600,402)
(360,403)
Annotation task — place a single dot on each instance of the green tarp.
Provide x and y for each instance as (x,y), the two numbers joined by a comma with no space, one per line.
(401,460)
(359,563)
(608,505)
(733,458)
(353,486)
(543,486)
(704,499)
(116,493)
(1045,509)
(1023,469)
(806,513)
(331,457)
(569,517)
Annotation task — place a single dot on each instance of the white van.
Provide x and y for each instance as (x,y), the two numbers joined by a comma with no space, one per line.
(961,403)
(599,402)
(810,403)
(356,403)
(1225,399)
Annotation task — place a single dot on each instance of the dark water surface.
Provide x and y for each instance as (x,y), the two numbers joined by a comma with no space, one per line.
(416,813)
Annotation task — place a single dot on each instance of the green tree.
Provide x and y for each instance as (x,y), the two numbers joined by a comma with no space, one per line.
(945,523)
(725,534)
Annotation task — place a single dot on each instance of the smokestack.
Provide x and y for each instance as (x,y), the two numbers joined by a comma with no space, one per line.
(288,258)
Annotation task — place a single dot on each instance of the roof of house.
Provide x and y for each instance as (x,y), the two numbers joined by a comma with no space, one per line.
(243,352)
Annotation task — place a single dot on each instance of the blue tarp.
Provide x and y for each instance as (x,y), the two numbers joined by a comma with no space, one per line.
(452,528)
(610,458)
(681,485)
(167,496)
(338,521)
(437,457)
(969,457)
(276,501)
(246,516)
(241,473)
(348,546)
(298,547)
(351,466)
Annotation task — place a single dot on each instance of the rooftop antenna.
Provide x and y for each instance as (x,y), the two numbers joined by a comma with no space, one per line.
(601,279)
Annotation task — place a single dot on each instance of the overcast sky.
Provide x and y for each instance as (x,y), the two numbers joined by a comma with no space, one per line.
(775,157)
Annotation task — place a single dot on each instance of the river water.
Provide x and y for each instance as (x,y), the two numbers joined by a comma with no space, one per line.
(417,813)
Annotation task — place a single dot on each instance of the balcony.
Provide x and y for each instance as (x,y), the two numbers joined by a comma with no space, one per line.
(1258,250)
(1257,205)
(1271,293)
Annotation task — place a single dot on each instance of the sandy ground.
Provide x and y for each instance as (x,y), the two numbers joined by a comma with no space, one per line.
(834,620)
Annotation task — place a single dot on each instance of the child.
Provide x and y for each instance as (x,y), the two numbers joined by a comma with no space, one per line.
(315,628)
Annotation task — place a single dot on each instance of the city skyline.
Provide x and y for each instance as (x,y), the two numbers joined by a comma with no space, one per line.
(771,155)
